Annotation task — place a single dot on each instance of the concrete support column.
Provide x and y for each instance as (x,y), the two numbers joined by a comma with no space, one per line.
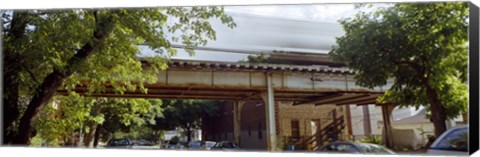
(269,101)
(237,110)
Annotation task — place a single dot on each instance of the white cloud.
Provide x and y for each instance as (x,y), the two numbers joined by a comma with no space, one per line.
(319,12)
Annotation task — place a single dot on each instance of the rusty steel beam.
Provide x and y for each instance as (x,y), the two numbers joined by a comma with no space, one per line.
(342,99)
(319,99)
(352,100)
(367,101)
(165,96)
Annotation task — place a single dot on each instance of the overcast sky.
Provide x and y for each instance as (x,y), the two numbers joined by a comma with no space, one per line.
(299,28)
(319,12)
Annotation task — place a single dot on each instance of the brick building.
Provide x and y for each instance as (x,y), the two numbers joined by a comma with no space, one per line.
(305,126)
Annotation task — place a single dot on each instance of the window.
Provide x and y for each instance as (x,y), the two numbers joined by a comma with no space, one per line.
(259,130)
(295,129)
(455,140)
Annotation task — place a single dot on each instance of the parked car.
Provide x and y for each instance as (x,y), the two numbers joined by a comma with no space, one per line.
(167,144)
(120,143)
(144,142)
(226,146)
(207,145)
(355,148)
(452,142)
(194,145)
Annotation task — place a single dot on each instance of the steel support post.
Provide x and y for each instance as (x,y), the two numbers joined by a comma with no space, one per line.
(269,101)
(237,110)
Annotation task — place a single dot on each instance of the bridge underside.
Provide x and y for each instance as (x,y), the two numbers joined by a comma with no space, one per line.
(241,82)
(338,97)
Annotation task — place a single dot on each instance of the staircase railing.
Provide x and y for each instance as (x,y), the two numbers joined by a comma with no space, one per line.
(329,133)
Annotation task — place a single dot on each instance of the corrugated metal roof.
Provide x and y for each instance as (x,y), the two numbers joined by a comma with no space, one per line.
(256,66)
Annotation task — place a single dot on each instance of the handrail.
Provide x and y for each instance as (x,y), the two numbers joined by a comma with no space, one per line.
(321,136)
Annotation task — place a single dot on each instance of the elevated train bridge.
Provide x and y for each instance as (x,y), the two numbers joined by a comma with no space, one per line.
(240,82)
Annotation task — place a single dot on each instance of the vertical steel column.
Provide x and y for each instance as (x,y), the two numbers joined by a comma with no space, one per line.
(237,110)
(271,114)
(269,100)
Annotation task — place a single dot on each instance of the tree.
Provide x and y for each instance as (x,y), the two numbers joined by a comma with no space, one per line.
(260,58)
(47,50)
(422,46)
(98,118)
(186,114)
(64,116)
(123,115)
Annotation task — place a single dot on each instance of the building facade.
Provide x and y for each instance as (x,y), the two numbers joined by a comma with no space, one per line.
(304,126)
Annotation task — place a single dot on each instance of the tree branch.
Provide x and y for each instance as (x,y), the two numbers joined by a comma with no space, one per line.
(30,73)
(420,72)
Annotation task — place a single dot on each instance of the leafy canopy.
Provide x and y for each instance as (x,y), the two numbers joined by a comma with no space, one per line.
(418,45)
(186,114)
(73,113)
(54,36)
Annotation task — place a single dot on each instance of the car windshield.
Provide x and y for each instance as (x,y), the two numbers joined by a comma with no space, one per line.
(374,149)
(210,144)
(456,140)
(225,145)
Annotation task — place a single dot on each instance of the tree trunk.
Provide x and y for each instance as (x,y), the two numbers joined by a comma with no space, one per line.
(55,79)
(10,108)
(90,135)
(97,136)
(437,110)
(12,62)
(189,134)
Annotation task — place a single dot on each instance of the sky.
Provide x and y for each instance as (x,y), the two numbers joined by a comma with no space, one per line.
(261,28)
(319,12)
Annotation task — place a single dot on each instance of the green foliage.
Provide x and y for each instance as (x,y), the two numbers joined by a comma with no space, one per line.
(37,141)
(421,46)
(261,58)
(122,115)
(117,116)
(62,119)
(374,139)
(185,114)
(52,37)
(59,33)
(175,139)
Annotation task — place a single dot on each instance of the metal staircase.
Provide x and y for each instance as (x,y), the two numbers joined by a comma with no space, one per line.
(329,133)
